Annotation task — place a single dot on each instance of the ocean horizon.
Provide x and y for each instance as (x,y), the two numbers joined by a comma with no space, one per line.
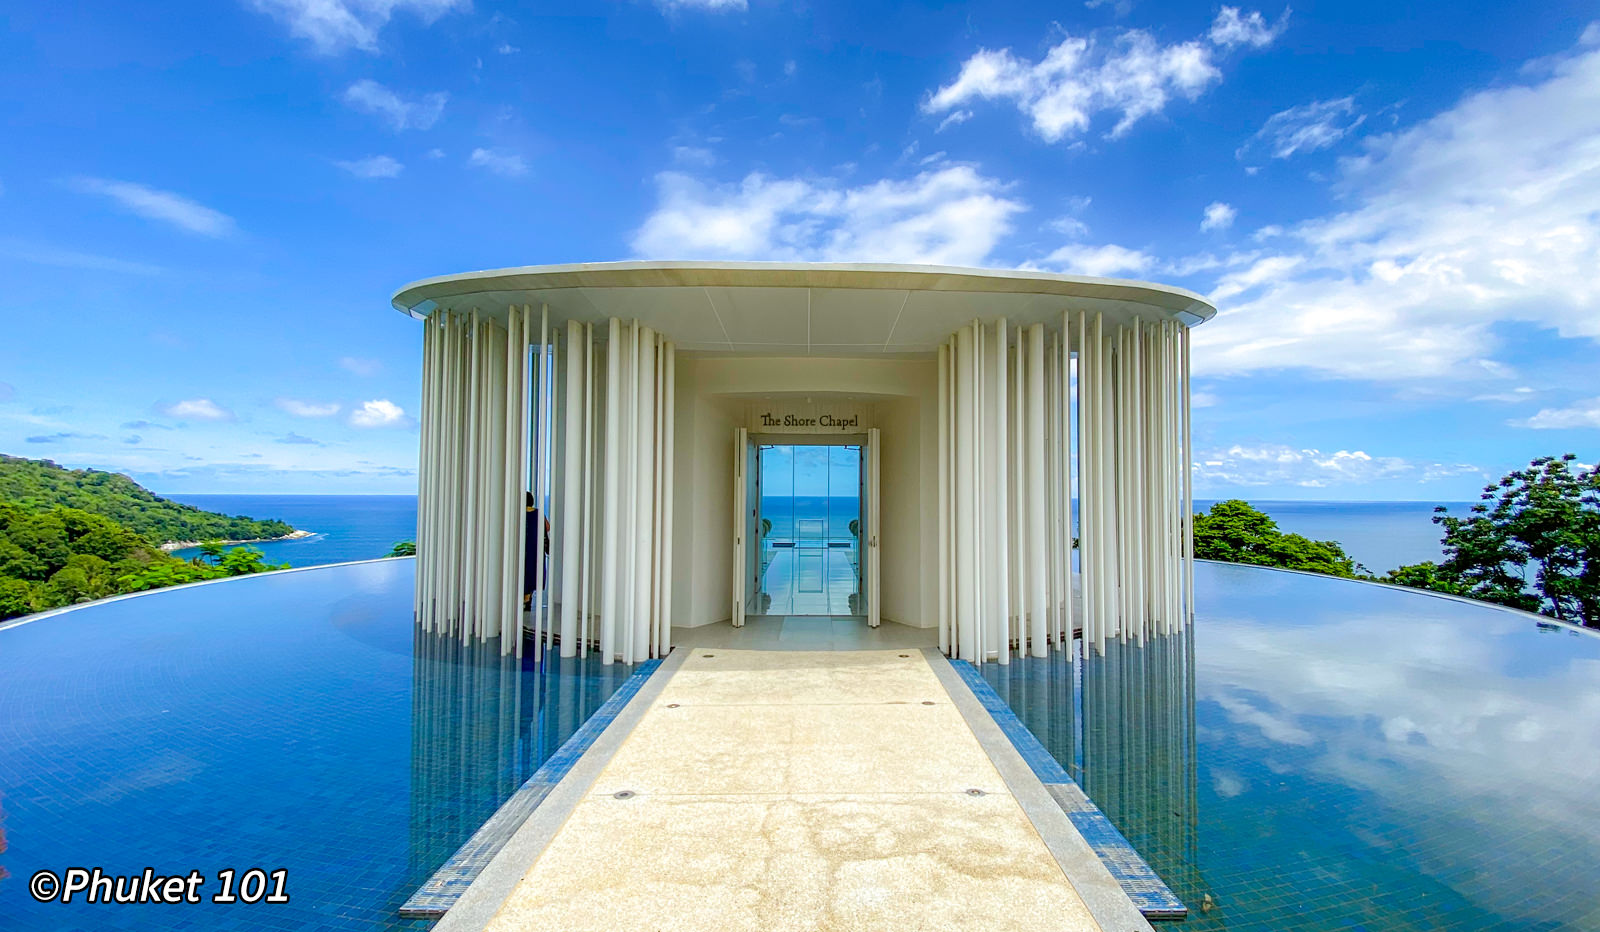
(1378,535)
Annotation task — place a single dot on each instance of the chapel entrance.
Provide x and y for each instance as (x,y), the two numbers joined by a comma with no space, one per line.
(806,544)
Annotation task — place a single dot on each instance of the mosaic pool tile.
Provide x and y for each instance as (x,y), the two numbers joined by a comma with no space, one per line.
(1138,881)
(441,891)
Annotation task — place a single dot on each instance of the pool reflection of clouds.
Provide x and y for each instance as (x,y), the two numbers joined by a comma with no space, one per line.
(1412,700)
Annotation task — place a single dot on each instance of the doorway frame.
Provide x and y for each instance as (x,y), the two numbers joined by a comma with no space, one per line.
(747,514)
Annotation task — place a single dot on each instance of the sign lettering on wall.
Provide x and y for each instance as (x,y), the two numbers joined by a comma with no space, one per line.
(820,418)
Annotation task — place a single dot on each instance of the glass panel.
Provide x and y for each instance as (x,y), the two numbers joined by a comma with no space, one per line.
(809,539)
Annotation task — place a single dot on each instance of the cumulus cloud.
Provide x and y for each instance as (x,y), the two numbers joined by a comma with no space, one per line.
(293,438)
(379,413)
(197,409)
(1579,414)
(333,26)
(307,408)
(1305,128)
(1232,27)
(951,215)
(1217,216)
(1277,464)
(499,161)
(1133,76)
(1481,215)
(1104,261)
(377,166)
(368,96)
(155,204)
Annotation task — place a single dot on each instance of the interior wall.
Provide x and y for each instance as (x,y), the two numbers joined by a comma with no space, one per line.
(713,398)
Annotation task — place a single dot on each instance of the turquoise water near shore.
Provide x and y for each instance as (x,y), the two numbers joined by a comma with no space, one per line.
(1380,535)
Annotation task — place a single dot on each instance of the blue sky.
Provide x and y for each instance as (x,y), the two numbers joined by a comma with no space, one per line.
(1395,206)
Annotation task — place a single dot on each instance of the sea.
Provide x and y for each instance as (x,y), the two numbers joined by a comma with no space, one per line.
(1378,535)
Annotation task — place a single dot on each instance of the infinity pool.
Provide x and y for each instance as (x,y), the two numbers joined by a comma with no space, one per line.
(1317,754)
(1313,754)
(291,720)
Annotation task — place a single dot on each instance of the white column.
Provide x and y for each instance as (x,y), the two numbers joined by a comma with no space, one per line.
(1037,506)
(609,506)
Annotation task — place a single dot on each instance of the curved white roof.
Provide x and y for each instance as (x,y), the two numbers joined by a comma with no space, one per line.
(806,308)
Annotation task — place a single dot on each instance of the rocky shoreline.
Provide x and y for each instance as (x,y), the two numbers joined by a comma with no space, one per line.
(172,545)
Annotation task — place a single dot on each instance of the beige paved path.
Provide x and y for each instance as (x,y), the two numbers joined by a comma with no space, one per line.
(780,791)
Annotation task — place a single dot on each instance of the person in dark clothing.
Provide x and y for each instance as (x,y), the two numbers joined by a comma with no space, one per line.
(532,551)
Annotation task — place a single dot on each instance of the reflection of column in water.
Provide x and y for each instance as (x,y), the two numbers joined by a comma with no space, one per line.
(468,709)
(1039,690)
(1138,752)
(481,724)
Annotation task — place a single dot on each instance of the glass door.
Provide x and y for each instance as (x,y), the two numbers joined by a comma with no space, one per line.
(809,530)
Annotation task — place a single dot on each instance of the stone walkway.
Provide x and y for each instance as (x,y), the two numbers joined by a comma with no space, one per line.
(772,791)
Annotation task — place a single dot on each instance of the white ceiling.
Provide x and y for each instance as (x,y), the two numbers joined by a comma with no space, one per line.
(827,310)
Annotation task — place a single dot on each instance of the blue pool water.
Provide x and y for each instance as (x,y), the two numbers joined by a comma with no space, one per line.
(1312,754)
(1318,754)
(292,720)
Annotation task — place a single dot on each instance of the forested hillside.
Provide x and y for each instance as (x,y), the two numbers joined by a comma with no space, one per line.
(39,485)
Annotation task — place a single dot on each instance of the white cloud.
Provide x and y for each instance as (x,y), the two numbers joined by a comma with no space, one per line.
(379,413)
(1520,393)
(1134,76)
(1305,128)
(377,166)
(499,161)
(308,408)
(708,6)
(506,48)
(950,215)
(155,204)
(1118,7)
(1218,216)
(1232,28)
(360,365)
(1480,216)
(369,96)
(1579,414)
(197,409)
(956,118)
(333,26)
(1100,261)
(1277,464)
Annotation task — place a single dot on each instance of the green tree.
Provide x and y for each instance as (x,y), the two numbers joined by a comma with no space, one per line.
(1238,533)
(1545,518)
(38,486)
(405,548)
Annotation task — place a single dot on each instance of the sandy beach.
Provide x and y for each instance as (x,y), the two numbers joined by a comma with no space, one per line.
(172,545)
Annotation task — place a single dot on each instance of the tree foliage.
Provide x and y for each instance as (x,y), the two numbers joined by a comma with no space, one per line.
(61,556)
(406,548)
(39,485)
(1543,520)
(1238,533)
